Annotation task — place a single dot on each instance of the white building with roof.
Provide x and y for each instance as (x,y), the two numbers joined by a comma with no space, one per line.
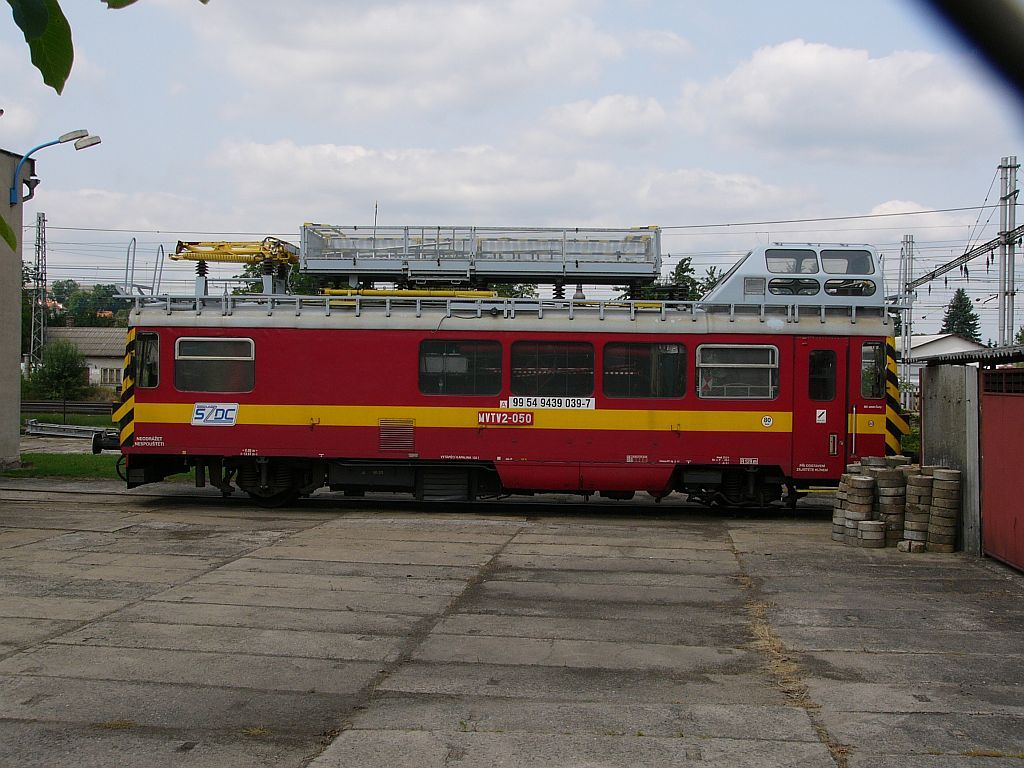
(102,348)
(928,345)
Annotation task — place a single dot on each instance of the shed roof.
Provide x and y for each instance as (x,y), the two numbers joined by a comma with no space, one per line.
(91,342)
(987,356)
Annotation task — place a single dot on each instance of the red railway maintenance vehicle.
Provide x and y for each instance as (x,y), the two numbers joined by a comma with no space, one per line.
(770,383)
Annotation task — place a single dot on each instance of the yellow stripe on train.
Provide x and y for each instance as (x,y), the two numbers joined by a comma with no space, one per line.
(467,418)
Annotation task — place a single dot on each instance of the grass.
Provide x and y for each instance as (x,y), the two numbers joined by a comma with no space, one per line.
(77,419)
(73,465)
(910,445)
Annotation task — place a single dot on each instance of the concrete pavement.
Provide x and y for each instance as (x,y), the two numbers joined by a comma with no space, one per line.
(150,629)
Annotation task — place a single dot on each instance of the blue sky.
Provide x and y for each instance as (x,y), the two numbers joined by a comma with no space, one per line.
(252,116)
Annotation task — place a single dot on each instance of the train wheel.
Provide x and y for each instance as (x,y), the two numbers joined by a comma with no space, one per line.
(273,484)
(271,498)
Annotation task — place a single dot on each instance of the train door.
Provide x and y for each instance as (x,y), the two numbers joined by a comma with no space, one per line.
(819,407)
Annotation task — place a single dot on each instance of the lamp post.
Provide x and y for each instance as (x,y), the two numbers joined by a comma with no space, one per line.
(10,292)
(82,140)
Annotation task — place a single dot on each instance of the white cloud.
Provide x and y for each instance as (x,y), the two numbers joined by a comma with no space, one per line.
(614,117)
(661,41)
(352,60)
(481,185)
(826,102)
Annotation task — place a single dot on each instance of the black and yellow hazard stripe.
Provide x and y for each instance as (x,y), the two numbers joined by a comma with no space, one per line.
(124,416)
(895,425)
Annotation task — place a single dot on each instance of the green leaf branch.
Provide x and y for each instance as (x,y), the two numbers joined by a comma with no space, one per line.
(48,35)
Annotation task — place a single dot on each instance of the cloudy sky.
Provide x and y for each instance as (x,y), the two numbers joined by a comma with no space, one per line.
(249,117)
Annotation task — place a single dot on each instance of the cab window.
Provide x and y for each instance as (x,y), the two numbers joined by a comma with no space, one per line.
(214,365)
(821,365)
(147,360)
(872,370)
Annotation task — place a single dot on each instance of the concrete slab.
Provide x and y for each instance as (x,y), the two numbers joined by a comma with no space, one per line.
(60,608)
(370,554)
(183,629)
(335,568)
(916,696)
(430,749)
(15,537)
(478,714)
(522,651)
(899,640)
(584,684)
(867,759)
(302,581)
(707,628)
(258,641)
(687,565)
(19,632)
(281,597)
(712,553)
(929,732)
(610,593)
(227,669)
(165,706)
(265,617)
(92,746)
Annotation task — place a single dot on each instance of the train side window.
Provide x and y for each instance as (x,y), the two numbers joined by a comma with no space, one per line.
(821,383)
(738,371)
(214,365)
(850,287)
(147,360)
(788,261)
(644,370)
(872,370)
(552,369)
(460,367)
(794,286)
(847,262)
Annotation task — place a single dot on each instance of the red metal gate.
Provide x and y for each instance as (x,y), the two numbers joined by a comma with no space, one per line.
(1002,427)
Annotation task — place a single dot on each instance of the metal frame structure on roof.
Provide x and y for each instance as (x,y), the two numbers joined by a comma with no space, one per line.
(454,254)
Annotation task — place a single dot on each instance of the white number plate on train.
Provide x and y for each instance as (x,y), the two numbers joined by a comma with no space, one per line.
(564,403)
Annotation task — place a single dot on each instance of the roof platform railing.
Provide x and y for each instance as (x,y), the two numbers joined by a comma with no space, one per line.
(481,255)
(507,308)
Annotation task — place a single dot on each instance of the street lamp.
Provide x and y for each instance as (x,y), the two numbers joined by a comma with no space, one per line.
(82,140)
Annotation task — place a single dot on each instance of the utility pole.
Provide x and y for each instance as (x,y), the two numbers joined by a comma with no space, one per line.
(1007,247)
(39,299)
(1011,248)
(907,311)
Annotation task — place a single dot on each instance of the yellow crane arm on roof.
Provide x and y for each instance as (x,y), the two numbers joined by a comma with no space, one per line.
(238,252)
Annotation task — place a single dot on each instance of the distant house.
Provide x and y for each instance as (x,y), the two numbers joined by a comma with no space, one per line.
(929,345)
(102,348)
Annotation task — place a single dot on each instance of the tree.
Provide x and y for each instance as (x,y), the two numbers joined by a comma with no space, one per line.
(712,276)
(61,290)
(960,317)
(48,35)
(683,285)
(515,290)
(94,307)
(62,375)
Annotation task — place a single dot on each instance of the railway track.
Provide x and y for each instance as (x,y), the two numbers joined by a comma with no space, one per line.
(58,406)
(187,496)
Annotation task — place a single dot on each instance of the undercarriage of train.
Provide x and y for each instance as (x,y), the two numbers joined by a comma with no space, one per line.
(273,482)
